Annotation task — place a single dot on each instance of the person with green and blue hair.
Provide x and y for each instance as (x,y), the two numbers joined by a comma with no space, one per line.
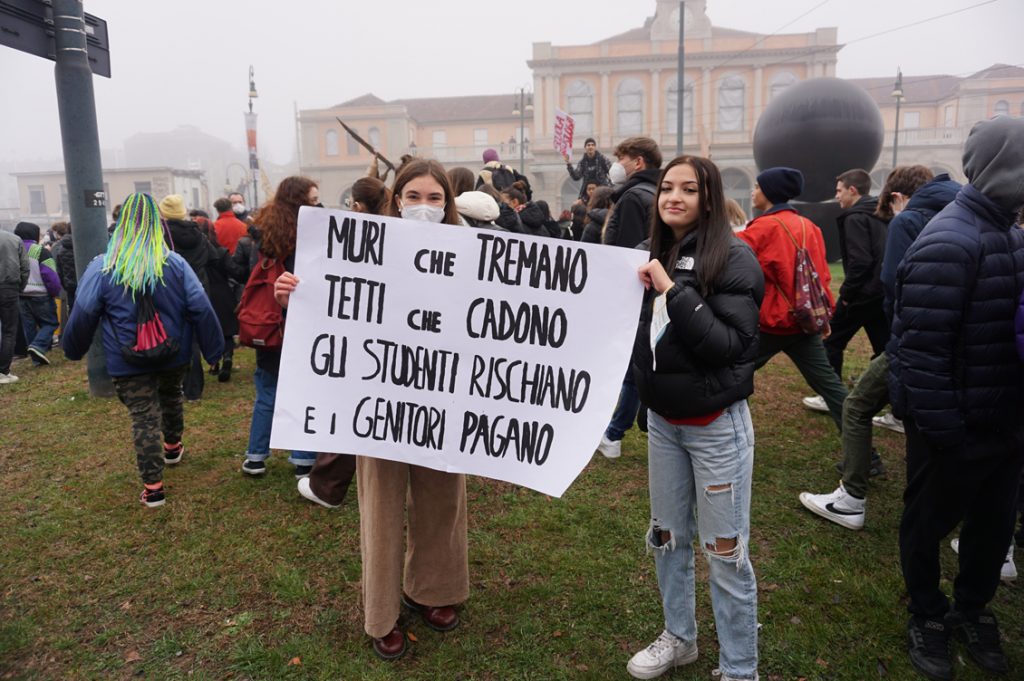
(152,304)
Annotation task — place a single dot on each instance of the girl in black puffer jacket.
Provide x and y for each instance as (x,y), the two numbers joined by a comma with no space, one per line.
(694,365)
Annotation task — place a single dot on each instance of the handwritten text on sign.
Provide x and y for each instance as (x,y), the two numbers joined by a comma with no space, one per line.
(564,125)
(460,349)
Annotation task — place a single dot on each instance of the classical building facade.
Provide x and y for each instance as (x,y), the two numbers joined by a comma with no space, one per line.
(627,85)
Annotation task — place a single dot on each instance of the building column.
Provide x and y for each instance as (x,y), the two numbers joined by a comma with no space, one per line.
(606,128)
(540,105)
(550,97)
(758,94)
(705,131)
(655,117)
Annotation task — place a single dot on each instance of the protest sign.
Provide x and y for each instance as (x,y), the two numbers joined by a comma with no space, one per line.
(564,126)
(460,349)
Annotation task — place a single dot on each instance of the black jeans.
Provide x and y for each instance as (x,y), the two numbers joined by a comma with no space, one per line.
(847,321)
(9,326)
(195,381)
(942,490)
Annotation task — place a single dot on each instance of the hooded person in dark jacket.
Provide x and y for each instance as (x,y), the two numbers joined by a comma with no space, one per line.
(958,384)
(537,221)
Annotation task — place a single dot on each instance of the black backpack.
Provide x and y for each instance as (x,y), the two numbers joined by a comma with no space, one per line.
(502,177)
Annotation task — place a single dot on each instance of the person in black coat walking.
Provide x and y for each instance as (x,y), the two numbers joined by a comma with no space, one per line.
(956,381)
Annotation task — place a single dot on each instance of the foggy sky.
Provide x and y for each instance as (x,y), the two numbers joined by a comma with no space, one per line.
(186,62)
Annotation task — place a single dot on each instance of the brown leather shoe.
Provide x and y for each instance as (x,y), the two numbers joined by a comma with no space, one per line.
(441,618)
(392,646)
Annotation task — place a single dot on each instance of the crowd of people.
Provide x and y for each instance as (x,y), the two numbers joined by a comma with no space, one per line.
(933,273)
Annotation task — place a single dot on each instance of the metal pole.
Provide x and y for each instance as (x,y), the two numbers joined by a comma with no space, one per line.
(896,134)
(83,172)
(522,120)
(680,80)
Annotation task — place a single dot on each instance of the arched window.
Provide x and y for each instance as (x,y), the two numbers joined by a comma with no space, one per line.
(581,107)
(351,146)
(671,104)
(730,103)
(374,138)
(331,142)
(629,107)
(737,186)
(780,81)
(1002,108)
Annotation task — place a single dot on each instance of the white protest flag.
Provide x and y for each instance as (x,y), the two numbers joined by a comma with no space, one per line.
(564,125)
(459,349)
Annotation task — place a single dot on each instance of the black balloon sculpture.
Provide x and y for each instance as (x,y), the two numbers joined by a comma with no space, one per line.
(822,127)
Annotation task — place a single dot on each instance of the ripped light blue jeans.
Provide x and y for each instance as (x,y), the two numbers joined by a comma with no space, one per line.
(700,485)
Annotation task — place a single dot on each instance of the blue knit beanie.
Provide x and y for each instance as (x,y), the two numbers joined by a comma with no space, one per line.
(780,184)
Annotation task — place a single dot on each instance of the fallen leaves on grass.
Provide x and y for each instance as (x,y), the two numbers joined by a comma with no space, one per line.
(295,662)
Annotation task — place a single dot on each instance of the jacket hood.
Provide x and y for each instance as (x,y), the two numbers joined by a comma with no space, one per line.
(477,205)
(993,158)
(532,215)
(648,175)
(935,195)
(865,204)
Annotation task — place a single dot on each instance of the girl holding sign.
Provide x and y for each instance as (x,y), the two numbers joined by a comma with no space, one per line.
(435,567)
(694,367)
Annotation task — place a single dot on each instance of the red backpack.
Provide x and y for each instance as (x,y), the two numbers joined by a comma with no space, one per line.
(260,320)
(810,308)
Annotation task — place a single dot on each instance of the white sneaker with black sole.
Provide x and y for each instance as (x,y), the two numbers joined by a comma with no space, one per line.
(667,651)
(815,403)
(839,507)
(889,422)
(1007,573)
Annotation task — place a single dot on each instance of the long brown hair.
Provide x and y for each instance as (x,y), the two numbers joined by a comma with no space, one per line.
(278,218)
(714,233)
(372,194)
(418,167)
(903,179)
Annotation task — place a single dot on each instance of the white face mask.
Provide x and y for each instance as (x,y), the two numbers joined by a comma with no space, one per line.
(238,208)
(423,212)
(617,173)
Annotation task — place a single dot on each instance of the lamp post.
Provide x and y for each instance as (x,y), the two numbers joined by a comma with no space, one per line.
(250,129)
(522,106)
(897,93)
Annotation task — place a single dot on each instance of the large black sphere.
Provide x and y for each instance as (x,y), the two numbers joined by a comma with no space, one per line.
(822,127)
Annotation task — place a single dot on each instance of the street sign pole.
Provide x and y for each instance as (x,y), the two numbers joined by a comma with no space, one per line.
(82,168)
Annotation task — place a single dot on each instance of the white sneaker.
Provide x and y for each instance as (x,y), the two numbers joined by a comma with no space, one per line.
(8,378)
(1007,573)
(888,421)
(612,449)
(839,507)
(666,652)
(815,403)
(306,491)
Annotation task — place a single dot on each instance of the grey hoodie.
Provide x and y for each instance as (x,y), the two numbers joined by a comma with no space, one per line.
(14,265)
(994,161)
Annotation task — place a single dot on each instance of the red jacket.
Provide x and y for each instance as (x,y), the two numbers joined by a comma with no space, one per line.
(777,255)
(229,230)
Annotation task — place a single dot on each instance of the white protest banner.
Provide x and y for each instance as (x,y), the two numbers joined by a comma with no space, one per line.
(459,349)
(564,125)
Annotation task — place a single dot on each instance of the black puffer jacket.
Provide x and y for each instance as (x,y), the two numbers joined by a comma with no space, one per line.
(595,224)
(536,223)
(705,359)
(861,245)
(954,368)
(65,258)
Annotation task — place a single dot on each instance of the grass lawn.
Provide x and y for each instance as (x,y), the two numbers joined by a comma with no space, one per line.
(239,578)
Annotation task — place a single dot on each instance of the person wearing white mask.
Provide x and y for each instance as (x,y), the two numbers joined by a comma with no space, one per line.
(433,575)
(238,206)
